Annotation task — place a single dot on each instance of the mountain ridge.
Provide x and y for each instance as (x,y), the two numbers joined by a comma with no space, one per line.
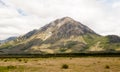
(8,39)
(63,35)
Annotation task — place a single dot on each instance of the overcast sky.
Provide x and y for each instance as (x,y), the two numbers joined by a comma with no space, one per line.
(18,17)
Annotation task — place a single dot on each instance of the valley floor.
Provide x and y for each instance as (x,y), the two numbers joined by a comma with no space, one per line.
(61,64)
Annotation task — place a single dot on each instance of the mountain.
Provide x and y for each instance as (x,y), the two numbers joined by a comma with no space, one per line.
(1,41)
(63,35)
(7,40)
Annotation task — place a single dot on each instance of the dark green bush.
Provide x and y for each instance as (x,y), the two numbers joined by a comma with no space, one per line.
(107,67)
(65,66)
(19,60)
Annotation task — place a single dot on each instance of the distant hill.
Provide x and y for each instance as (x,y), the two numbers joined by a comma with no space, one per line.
(63,35)
(8,39)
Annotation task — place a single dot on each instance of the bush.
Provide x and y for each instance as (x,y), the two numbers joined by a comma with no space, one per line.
(5,60)
(98,61)
(70,58)
(11,67)
(65,66)
(107,67)
(25,61)
(19,60)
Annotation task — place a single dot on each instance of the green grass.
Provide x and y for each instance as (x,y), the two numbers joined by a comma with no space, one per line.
(104,42)
(7,68)
(12,68)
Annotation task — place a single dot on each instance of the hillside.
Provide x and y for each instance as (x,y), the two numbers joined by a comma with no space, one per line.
(63,35)
(8,39)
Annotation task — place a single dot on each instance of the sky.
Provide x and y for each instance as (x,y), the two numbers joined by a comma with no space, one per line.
(18,17)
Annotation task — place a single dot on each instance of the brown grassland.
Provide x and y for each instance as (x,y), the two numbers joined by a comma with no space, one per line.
(56,64)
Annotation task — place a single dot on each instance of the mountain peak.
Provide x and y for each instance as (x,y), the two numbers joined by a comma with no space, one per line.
(65,28)
(67,19)
(62,21)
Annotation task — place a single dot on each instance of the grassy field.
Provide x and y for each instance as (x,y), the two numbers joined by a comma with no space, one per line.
(61,64)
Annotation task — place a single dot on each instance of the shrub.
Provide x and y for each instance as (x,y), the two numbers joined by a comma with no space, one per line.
(65,66)
(25,61)
(5,60)
(70,58)
(19,60)
(98,61)
(11,67)
(107,67)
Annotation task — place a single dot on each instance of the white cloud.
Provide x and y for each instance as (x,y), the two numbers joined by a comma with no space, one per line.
(100,15)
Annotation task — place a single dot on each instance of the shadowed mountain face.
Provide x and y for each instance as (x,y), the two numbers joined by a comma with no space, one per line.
(63,35)
(64,28)
(68,26)
(114,39)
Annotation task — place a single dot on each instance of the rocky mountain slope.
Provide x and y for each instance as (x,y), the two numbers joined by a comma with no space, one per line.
(63,35)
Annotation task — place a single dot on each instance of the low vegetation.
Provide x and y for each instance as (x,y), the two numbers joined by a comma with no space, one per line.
(61,64)
(107,67)
(7,68)
(65,66)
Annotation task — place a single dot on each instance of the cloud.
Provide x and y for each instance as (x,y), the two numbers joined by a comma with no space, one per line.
(22,16)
